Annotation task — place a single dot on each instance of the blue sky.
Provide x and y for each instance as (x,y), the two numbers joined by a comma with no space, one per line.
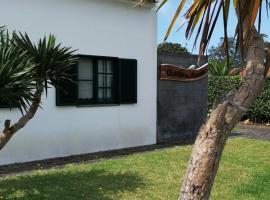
(166,13)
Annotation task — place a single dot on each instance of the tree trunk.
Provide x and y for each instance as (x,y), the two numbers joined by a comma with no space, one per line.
(212,137)
(10,130)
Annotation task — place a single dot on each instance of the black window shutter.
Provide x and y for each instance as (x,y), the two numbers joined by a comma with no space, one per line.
(66,90)
(128,81)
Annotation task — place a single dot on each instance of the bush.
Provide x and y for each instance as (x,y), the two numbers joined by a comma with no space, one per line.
(259,111)
(219,85)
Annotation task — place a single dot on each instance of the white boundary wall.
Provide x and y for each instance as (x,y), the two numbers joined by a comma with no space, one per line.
(94,27)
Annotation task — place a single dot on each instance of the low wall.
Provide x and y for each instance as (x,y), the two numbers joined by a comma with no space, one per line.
(181,106)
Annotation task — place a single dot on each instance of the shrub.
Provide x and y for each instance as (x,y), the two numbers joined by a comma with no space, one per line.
(219,85)
(259,111)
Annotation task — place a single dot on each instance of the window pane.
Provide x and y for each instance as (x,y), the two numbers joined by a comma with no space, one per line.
(101,65)
(101,80)
(86,69)
(109,80)
(109,66)
(109,93)
(100,93)
(85,90)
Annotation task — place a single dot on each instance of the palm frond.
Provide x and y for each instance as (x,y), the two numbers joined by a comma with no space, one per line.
(16,80)
(203,16)
(52,61)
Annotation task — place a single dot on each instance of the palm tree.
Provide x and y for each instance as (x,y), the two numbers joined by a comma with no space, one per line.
(26,70)
(212,136)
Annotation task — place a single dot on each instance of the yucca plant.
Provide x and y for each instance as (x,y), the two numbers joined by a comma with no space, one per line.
(201,18)
(16,79)
(218,68)
(52,60)
(27,69)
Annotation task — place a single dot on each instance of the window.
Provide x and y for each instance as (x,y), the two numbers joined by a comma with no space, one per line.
(7,105)
(85,80)
(105,78)
(98,81)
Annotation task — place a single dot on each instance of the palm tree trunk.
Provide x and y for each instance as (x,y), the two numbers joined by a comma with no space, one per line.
(10,130)
(212,137)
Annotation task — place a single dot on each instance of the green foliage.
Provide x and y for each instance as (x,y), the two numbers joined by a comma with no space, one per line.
(258,112)
(169,47)
(218,53)
(52,61)
(23,64)
(16,80)
(220,85)
(218,68)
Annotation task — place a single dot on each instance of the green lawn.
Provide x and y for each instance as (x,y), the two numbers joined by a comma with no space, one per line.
(244,174)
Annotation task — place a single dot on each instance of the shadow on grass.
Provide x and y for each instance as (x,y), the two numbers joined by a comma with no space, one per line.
(88,184)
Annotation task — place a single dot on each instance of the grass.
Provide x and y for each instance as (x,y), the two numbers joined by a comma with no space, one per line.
(244,174)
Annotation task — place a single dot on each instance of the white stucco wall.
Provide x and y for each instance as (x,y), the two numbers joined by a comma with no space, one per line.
(94,27)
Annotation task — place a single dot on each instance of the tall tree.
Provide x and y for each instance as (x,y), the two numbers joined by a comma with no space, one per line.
(26,70)
(218,53)
(212,136)
(169,47)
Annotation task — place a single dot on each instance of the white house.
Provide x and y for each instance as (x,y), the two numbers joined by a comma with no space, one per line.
(114,104)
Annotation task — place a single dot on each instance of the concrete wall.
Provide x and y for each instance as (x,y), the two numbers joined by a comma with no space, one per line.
(94,27)
(181,106)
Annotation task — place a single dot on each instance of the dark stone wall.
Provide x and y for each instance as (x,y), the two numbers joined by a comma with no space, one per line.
(181,106)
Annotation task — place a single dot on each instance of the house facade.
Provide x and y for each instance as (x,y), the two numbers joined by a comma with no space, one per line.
(113,106)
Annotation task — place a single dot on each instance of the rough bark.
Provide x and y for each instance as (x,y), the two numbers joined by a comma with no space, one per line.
(212,137)
(267,63)
(10,130)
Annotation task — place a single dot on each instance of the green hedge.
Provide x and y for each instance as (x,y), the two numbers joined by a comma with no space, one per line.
(259,111)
